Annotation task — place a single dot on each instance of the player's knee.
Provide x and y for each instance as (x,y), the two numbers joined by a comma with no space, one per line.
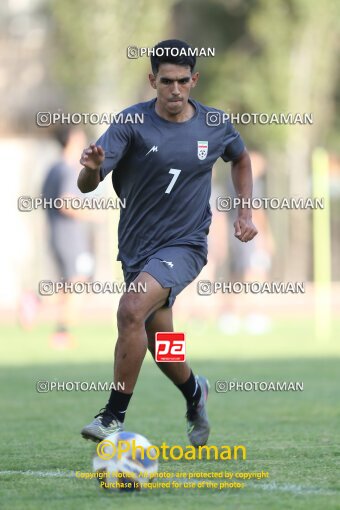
(130,312)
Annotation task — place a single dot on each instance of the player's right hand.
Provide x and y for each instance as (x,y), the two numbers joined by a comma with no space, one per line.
(92,157)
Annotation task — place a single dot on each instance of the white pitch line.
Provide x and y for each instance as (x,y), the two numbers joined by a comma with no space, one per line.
(287,487)
(272,486)
(41,474)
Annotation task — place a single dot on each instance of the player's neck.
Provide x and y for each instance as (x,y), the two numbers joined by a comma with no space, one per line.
(186,114)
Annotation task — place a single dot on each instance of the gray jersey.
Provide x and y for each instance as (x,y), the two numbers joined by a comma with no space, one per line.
(163,171)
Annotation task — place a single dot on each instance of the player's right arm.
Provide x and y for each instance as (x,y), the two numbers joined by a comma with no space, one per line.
(92,157)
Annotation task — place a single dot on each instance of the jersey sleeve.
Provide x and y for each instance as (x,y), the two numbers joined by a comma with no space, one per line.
(233,145)
(115,142)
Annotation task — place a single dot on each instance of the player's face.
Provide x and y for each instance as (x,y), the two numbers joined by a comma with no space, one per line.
(173,84)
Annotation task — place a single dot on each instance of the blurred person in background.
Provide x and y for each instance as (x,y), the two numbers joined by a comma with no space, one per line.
(249,262)
(69,233)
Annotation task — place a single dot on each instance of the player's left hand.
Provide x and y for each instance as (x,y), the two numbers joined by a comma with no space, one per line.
(245,229)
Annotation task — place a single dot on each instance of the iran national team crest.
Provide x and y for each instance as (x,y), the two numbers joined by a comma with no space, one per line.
(202,150)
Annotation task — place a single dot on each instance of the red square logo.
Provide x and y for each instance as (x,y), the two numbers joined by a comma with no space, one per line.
(170,346)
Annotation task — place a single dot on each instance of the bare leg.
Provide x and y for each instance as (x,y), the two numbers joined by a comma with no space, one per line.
(134,309)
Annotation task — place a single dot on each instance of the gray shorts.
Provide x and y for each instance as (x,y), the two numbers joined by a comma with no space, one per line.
(173,267)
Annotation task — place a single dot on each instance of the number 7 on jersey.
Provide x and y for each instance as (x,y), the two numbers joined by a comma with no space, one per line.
(175,172)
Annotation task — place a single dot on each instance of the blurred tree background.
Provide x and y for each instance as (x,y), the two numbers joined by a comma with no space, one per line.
(280,56)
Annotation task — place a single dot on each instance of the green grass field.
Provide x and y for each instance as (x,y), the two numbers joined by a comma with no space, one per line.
(292,435)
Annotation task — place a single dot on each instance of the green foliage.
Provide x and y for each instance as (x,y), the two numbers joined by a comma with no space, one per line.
(90,42)
(273,57)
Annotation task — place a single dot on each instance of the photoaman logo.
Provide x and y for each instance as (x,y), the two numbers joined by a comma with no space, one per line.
(107,450)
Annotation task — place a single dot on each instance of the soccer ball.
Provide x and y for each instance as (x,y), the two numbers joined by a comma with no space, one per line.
(124,461)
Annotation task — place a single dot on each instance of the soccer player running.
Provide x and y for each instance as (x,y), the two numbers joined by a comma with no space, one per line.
(163,169)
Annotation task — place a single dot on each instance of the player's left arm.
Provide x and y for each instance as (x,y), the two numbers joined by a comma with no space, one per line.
(242,177)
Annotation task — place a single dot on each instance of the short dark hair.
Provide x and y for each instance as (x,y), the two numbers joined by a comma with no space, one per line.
(62,134)
(169,56)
